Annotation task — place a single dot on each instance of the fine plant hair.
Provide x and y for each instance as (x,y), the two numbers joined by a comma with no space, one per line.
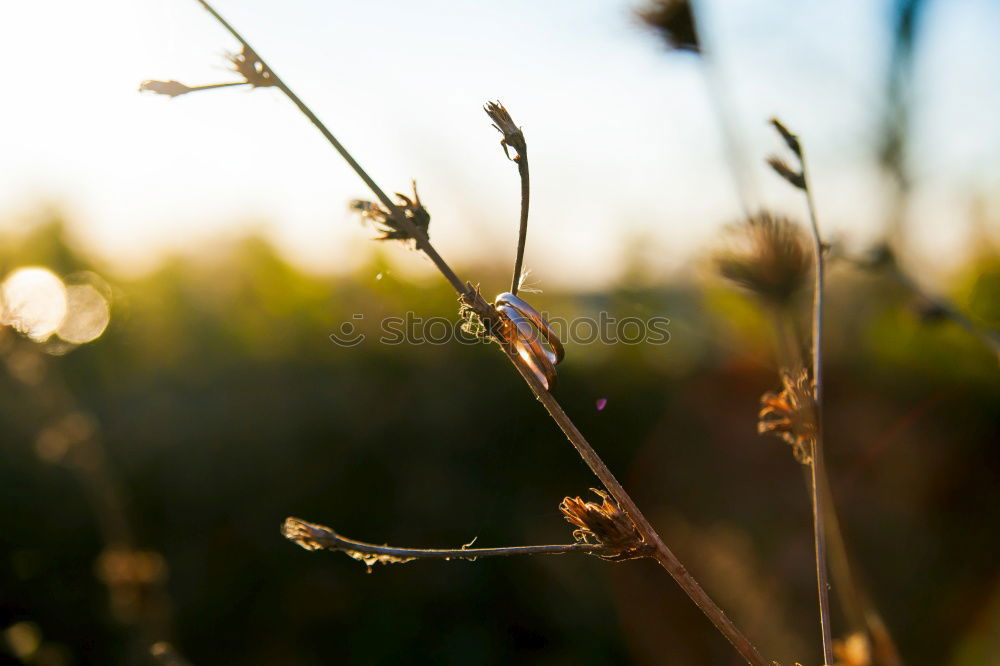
(615,529)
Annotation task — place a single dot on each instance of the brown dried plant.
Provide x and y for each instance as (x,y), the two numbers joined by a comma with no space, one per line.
(795,413)
(768,257)
(384,222)
(604,524)
(791,414)
(403,222)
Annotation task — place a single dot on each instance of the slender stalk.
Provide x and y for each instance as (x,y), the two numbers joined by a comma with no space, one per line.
(522,170)
(990,338)
(213,86)
(323,537)
(818,465)
(662,553)
(418,236)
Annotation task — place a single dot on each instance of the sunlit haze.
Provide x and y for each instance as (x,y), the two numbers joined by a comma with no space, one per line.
(625,150)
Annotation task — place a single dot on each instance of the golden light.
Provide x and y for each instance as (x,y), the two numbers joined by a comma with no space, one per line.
(34,302)
(87,314)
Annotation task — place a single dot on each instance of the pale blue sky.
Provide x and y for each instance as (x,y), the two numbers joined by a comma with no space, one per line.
(622,142)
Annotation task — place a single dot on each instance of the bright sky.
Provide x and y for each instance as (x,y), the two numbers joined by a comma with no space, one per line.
(624,148)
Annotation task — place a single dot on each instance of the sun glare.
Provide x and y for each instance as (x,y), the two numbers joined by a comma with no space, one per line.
(37,303)
(34,302)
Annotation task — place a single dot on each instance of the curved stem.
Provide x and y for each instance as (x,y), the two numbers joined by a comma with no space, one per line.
(418,236)
(312,536)
(661,552)
(522,170)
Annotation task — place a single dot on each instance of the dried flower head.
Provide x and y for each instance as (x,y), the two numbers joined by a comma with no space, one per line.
(770,258)
(780,166)
(791,140)
(169,88)
(797,178)
(674,21)
(791,414)
(513,137)
(251,68)
(384,221)
(604,524)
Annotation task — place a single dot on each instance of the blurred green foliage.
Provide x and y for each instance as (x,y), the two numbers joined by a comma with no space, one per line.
(225,407)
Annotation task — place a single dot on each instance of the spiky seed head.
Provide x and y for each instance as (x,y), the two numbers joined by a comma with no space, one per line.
(513,136)
(384,221)
(603,524)
(791,414)
(768,256)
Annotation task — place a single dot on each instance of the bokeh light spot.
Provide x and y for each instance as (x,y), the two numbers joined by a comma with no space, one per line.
(87,314)
(34,302)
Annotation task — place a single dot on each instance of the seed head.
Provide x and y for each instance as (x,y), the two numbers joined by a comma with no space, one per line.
(603,524)
(384,221)
(169,88)
(769,257)
(674,21)
(513,137)
(780,166)
(791,140)
(251,68)
(791,414)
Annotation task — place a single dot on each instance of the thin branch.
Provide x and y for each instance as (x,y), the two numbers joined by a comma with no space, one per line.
(176,88)
(513,137)
(818,467)
(418,236)
(212,86)
(661,552)
(522,170)
(312,536)
(818,464)
(939,306)
(471,296)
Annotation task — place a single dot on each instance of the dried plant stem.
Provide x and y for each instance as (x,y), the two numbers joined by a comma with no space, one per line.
(522,170)
(661,553)
(213,86)
(325,537)
(818,466)
(989,337)
(419,237)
